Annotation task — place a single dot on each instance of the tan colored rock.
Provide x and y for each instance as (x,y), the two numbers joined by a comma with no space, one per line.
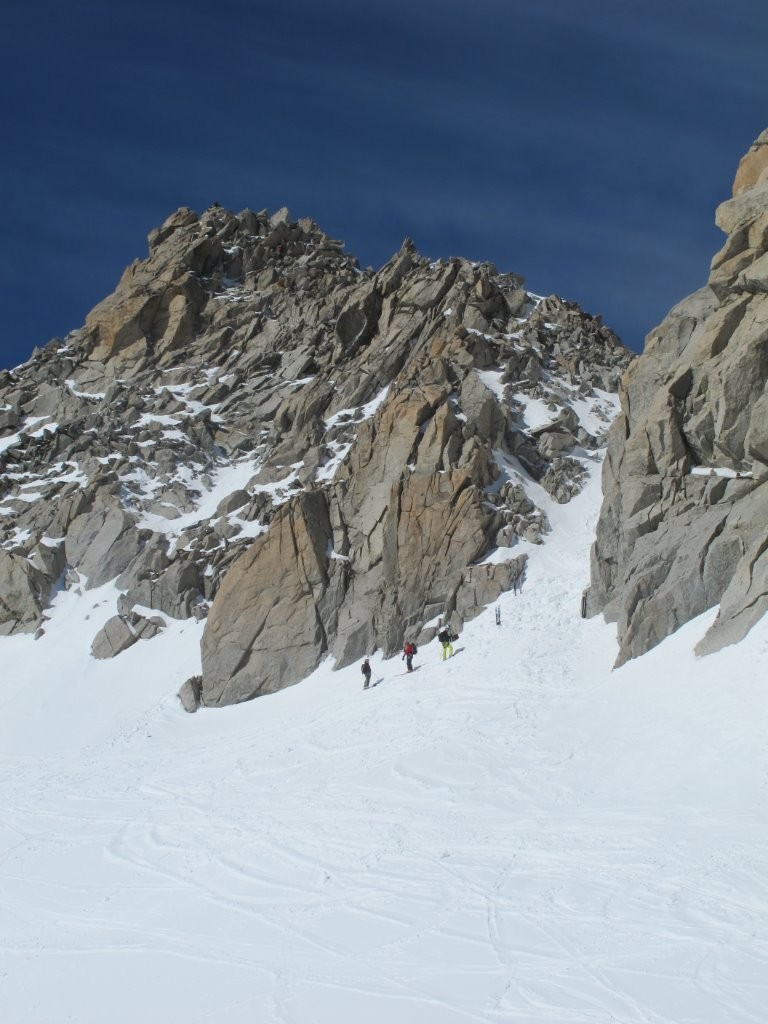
(753,168)
(265,630)
(180,219)
(179,324)
(443,525)
(119,328)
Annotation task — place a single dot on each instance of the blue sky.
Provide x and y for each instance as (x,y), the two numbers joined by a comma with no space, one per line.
(584,145)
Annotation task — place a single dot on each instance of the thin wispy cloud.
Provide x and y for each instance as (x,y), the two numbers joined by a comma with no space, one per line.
(577,144)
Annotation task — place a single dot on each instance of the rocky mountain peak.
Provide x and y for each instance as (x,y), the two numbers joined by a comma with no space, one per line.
(163,302)
(319,459)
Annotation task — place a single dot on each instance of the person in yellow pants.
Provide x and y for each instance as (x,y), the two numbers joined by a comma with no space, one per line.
(445,638)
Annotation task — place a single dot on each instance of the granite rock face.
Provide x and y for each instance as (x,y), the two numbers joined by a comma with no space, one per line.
(23,592)
(271,621)
(683,525)
(312,455)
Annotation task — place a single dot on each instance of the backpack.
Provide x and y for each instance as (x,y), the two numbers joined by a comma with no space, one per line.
(414,649)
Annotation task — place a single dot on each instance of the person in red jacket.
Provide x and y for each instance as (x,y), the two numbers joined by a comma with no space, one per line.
(408,652)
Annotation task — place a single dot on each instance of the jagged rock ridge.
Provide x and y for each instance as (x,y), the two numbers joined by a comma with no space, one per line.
(317,457)
(683,524)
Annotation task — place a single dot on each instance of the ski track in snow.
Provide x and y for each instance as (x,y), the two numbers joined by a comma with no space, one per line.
(515,835)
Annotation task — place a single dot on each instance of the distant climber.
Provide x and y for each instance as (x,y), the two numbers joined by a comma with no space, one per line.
(366,670)
(408,652)
(446,638)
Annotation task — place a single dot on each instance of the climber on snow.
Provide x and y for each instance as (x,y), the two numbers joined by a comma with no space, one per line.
(365,668)
(446,638)
(408,652)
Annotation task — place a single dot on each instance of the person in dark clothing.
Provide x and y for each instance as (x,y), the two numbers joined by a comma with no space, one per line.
(408,652)
(366,670)
(446,637)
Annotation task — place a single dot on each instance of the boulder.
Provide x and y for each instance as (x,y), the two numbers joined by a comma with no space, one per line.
(265,629)
(24,591)
(116,636)
(9,419)
(564,479)
(172,589)
(123,631)
(190,694)
(483,584)
(102,543)
(49,559)
(358,321)
(554,442)
(481,407)
(147,628)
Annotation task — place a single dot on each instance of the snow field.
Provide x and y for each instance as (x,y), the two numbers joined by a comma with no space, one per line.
(516,835)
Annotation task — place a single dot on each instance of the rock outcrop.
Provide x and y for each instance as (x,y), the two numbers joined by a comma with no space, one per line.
(315,457)
(683,524)
(123,631)
(23,594)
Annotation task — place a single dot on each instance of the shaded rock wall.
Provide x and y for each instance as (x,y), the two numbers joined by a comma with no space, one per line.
(683,525)
(267,626)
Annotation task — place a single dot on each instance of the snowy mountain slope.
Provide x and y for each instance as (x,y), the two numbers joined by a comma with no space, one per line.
(517,835)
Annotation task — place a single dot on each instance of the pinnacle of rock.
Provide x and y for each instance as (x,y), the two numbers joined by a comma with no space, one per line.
(682,527)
